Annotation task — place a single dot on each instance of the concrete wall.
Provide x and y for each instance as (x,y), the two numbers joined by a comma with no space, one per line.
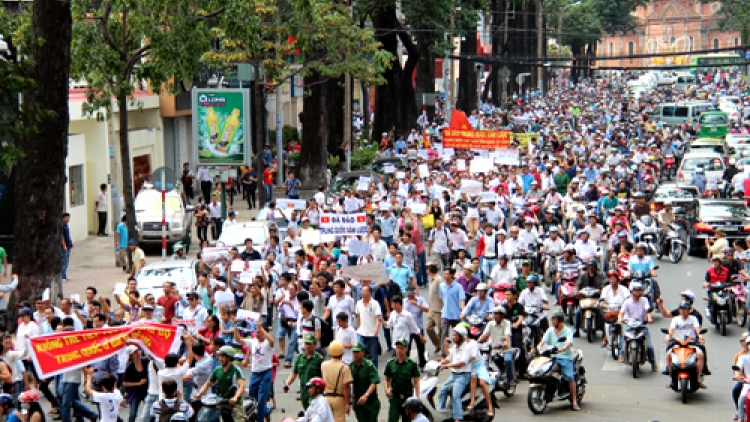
(79,215)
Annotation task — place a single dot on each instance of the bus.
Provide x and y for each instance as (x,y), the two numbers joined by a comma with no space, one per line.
(710,61)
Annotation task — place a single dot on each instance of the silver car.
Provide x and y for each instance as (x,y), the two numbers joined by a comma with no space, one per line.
(148,215)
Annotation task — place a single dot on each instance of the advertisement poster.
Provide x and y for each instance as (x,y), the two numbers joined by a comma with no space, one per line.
(221,126)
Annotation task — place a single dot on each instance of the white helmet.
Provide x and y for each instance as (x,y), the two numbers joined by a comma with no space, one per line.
(461,331)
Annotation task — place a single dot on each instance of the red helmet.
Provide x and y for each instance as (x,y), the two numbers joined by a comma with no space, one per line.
(29,396)
(317,382)
(613,273)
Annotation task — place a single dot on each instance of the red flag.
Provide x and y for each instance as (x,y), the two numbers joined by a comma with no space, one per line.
(459,121)
(291,40)
(325,219)
(361,219)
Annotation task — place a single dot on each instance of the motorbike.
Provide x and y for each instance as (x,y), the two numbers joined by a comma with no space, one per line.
(650,288)
(569,297)
(634,332)
(589,299)
(532,333)
(720,306)
(500,291)
(669,166)
(496,364)
(476,326)
(671,244)
(684,370)
(545,378)
(739,288)
(648,233)
(213,409)
(550,268)
(615,330)
(428,396)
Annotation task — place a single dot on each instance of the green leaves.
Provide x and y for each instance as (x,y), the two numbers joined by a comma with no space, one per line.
(735,15)
(587,22)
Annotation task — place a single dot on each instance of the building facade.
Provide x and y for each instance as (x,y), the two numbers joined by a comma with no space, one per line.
(668,26)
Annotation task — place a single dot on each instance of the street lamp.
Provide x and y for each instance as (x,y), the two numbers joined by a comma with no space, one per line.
(559,25)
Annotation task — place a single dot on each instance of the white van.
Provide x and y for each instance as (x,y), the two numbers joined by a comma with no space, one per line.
(684,80)
(674,114)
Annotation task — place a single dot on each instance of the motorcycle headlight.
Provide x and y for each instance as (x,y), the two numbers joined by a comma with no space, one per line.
(538,370)
(721,301)
(691,360)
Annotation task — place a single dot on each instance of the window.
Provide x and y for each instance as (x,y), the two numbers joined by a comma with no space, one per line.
(690,44)
(681,112)
(715,7)
(668,111)
(736,42)
(631,46)
(612,49)
(717,43)
(672,40)
(75,184)
(656,46)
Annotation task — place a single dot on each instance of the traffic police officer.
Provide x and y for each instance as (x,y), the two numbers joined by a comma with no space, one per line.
(401,381)
(306,366)
(337,376)
(365,386)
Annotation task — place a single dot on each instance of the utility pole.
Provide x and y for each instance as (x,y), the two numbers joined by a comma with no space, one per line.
(540,43)
(451,87)
(348,113)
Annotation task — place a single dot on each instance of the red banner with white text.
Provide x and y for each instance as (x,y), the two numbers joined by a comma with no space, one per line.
(476,139)
(56,353)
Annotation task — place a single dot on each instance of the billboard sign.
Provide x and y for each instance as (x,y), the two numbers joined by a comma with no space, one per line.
(221,126)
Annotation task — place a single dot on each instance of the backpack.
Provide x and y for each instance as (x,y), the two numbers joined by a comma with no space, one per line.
(326,333)
(167,411)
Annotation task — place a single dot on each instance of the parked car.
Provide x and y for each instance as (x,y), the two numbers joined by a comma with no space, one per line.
(279,219)
(235,235)
(713,124)
(349,180)
(704,216)
(151,278)
(148,215)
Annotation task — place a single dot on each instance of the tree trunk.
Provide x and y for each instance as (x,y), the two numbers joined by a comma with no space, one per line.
(426,68)
(467,75)
(127,172)
(41,172)
(365,109)
(259,124)
(335,105)
(316,121)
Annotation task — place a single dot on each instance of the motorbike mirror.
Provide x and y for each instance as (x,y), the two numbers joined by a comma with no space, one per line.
(665,331)
(656,267)
(703,331)
(735,368)
(562,339)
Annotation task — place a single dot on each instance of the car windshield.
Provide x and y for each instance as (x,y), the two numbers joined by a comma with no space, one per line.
(674,194)
(237,236)
(738,140)
(153,203)
(344,183)
(724,210)
(719,149)
(713,119)
(709,163)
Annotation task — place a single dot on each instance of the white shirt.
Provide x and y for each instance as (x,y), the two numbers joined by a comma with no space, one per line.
(402,326)
(261,353)
(351,204)
(685,327)
(214,210)
(101,202)
(439,239)
(368,314)
(464,354)
(554,246)
(176,374)
(514,245)
(585,250)
(379,250)
(500,274)
(458,239)
(25,331)
(744,363)
(199,315)
(320,198)
(229,222)
(348,337)
(318,411)
(497,332)
(535,299)
(615,300)
(346,305)
(109,405)
(203,175)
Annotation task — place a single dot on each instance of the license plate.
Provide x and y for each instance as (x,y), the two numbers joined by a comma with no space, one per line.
(713,129)
(731,229)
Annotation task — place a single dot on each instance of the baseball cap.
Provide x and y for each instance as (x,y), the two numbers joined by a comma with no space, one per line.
(310,338)
(359,347)
(24,312)
(402,341)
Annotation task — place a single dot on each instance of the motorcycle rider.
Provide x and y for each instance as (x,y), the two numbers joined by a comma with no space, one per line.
(714,275)
(459,361)
(591,278)
(717,245)
(640,262)
(550,221)
(640,208)
(585,247)
(688,296)
(637,307)
(733,265)
(729,172)
(502,273)
(479,305)
(553,245)
(226,376)
(612,297)
(499,331)
(619,216)
(699,180)
(568,263)
(319,409)
(535,297)
(413,410)
(525,274)
(564,355)
(516,314)
(685,325)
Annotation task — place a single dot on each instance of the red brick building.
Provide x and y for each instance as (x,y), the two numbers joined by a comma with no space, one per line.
(668,26)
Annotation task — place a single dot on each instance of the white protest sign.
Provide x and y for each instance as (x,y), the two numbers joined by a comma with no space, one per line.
(246,278)
(246,315)
(304,274)
(325,238)
(423,153)
(220,254)
(471,187)
(119,289)
(384,206)
(506,156)
(363,183)
(343,224)
(46,295)
(310,237)
(401,175)
(389,169)
(448,152)
(374,271)
(255,266)
(461,164)
(419,187)
(291,204)
(418,209)
(238,266)
(482,165)
(424,170)
(359,248)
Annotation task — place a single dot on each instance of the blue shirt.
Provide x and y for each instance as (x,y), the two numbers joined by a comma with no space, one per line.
(386,225)
(122,230)
(66,236)
(551,338)
(400,275)
(640,264)
(591,173)
(452,296)
(400,146)
(479,308)
(267,157)
(527,179)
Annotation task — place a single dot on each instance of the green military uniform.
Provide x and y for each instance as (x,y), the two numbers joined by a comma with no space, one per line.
(364,375)
(401,376)
(306,369)
(521,281)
